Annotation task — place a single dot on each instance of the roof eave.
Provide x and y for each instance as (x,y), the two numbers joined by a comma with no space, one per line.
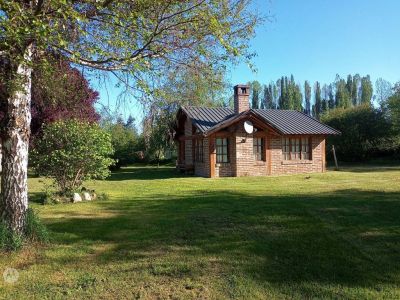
(239,117)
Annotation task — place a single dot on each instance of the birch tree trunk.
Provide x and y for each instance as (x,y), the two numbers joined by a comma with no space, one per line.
(15,143)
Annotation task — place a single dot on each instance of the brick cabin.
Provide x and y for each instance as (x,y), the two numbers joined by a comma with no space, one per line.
(213,142)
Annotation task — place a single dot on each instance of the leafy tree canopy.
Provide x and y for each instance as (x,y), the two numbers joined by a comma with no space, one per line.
(136,37)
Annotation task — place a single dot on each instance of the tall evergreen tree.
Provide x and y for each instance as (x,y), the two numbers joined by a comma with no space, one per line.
(298,98)
(349,86)
(275,93)
(355,95)
(286,96)
(266,103)
(290,93)
(282,93)
(265,96)
(325,99)
(307,96)
(331,96)
(318,100)
(270,97)
(255,90)
(342,96)
(366,90)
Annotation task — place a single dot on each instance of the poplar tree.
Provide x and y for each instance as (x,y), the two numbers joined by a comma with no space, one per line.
(307,96)
(255,89)
(298,98)
(282,93)
(366,90)
(274,93)
(342,96)
(355,94)
(349,87)
(318,100)
(331,96)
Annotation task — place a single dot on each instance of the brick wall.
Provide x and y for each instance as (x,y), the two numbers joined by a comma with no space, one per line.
(246,164)
(279,166)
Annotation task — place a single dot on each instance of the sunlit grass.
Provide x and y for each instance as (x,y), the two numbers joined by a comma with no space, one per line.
(160,235)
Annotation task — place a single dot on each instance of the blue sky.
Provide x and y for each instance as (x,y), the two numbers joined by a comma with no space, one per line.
(315,40)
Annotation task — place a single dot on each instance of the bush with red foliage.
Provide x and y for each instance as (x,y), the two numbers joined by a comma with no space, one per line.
(59,94)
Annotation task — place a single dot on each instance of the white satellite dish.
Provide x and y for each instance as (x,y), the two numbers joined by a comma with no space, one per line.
(248,127)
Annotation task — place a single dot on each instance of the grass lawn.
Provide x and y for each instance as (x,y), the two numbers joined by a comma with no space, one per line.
(334,235)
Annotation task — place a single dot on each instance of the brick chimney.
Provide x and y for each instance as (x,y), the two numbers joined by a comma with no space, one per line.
(241,98)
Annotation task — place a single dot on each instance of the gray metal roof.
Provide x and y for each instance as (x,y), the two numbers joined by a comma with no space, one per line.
(294,122)
(205,118)
(285,121)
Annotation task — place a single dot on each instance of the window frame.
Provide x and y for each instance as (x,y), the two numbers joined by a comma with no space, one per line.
(306,147)
(286,148)
(199,151)
(292,148)
(258,148)
(222,150)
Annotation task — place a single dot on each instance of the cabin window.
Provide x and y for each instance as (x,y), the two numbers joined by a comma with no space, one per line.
(296,148)
(199,151)
(222,150)
(295,151)
(258,148)
(305,148)
(286,148)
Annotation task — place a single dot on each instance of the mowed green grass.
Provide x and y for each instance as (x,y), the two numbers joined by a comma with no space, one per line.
(164,236)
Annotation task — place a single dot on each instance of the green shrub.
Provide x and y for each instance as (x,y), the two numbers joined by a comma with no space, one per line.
(8,240)
(71,152)
(365,131)
(35,231)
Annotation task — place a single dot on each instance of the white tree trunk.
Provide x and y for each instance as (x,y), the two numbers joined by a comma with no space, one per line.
(15,143)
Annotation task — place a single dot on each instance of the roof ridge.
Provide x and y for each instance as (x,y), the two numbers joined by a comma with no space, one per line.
(276,109)
(207,107)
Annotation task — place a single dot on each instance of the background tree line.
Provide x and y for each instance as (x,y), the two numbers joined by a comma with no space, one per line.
(286,93)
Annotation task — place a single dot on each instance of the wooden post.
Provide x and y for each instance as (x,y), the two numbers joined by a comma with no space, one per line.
(212,155)
(334,157)
(193,151)
(323,154)
(268,153)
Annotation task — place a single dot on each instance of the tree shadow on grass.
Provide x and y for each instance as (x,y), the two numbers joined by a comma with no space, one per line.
(145,173)
(347,237)
(37,197)
(367,167)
